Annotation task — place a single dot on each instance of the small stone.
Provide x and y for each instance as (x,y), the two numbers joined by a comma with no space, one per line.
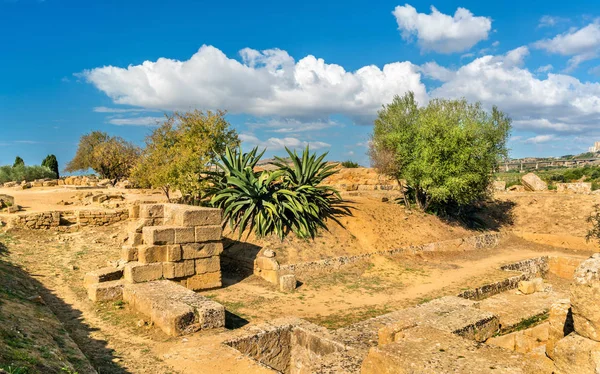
(287,283)
(269,253)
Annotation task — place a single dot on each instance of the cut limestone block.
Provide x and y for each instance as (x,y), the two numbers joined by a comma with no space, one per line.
(135,272)
(425,349)
(173,253)
(208,265)
(533,183)
(576,354)
(204,281)
(450,313)
(103,275)
(266,263)
(129,253)
(201,250)
(173,308)
(178,269)
(190,216)
(585,298)
(539,285)
(134,211)
(560,324)
(287,283)
(159,235)
(105,291)
(208,233)
(185,235)
(526,287)
(152,210)
(135,238)
(148,254)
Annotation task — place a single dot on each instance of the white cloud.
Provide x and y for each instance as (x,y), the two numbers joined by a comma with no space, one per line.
(544,69)
(273,144)
(440,32)
(595,71)
(538,139)
(136,121)
(559,103)
(551,21)
(267,83)
(287,125)
(583,44)
(103,109)
(437,72)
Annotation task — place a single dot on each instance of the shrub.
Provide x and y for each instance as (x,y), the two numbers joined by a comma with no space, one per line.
(24,173)
(350,164)
(288,199)
(51,163)
(594,219)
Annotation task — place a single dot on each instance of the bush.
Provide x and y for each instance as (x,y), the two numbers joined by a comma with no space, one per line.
(21,173)
(288,199)
(445,152)
(51,163)
(350,164)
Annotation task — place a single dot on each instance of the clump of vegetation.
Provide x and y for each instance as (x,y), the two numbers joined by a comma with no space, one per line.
(51,163)
(594,219)
(443,154)
(112,157)
(552,176)
(21,173)
(288,199)
(181,149)
(350,164)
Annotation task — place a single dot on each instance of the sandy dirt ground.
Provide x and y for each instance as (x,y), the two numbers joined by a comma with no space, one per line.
(117,340)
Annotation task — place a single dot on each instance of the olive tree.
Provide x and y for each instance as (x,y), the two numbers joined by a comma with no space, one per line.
(444,153)
(181,149)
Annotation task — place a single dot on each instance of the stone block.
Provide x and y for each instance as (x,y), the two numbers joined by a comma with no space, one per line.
(178,269)
(103,275)
(134,211)
(135,238)
(129,253)
(208,264)
(287,283)
(201,250)
(105,291)
(208,233)
(148,254)
(271,276)
(135,272)
(576,354)
(526,287)
(585,298)
(152,210)
(560,324)
(173,253)
(504,341)
(266,263)
(204,281)
(184,235)
(538,284)
(185,215)
(158,235)
(533,183)
(563,267)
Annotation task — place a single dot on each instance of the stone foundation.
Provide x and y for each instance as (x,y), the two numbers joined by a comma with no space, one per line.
(67,220)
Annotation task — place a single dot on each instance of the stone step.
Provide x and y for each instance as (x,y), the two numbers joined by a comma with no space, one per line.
(174,308)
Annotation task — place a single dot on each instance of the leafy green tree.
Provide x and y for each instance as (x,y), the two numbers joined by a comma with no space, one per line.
(111,157)
(51,163)
(181,149)
(18,162)
(443,153)
(350,164)
(288,199)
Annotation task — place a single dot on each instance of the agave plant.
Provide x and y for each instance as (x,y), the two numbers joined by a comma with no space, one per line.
(274,202)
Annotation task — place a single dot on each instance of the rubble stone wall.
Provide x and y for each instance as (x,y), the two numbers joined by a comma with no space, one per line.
(61,221)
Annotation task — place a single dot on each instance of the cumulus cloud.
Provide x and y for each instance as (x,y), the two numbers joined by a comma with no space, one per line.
(544,69)
(440,32)
(280,143)
(583,44)
(264,83)
(136,121)
(538,139)
(559,103)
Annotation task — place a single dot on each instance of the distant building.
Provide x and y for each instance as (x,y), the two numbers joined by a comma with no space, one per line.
(595,148)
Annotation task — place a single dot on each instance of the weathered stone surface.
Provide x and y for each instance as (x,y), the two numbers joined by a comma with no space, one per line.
(135,272)
(532,182)
(207,265)
(585,298)
(266,263)
(204,281)
(129,253)
(134,211)
(208,233)
(148,254)
(158,235)
(426,350)
(450,313)
(563,267)
(178,269)
(287,283)
(526,287)
(152,211)
(560,324)
(504,341)
(103,275)
(173,253)
(538,284)
(190,216)
(173,308)
(579,187)
(6,200)
(576,354)
(499,185)
(135,238)
(184,235)
(201,250)
(105,291)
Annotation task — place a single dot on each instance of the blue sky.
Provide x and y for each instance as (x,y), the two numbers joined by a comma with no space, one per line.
(292,73)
